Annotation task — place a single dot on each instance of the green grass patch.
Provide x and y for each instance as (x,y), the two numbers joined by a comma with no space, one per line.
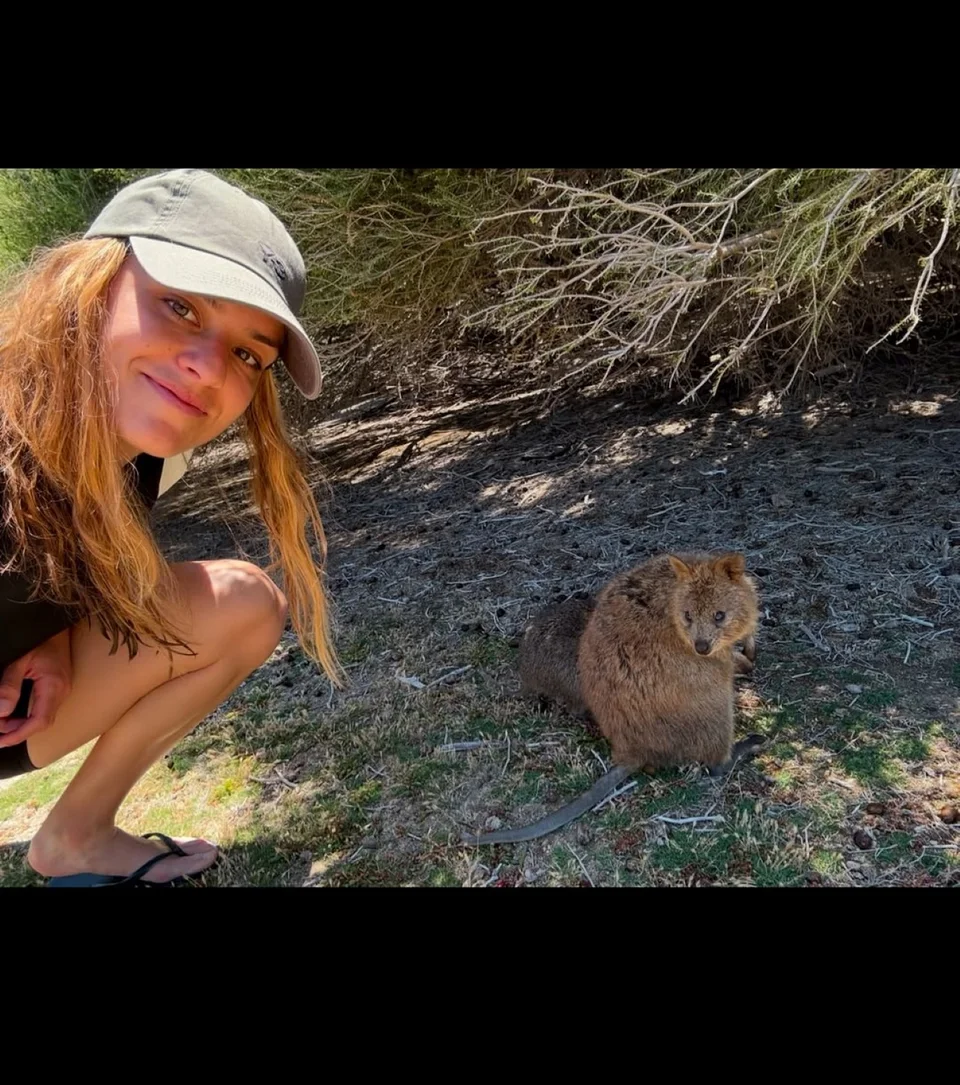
(827,862)
(770,873)
(709,852)
(894,848)
(423,776)
(488,651)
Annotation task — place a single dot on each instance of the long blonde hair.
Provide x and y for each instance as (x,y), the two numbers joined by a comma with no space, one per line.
(287,506)
(71,521)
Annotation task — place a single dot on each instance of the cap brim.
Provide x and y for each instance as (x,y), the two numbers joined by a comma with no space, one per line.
(183,268)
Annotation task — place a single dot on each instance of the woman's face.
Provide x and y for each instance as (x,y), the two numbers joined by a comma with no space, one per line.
(185,366)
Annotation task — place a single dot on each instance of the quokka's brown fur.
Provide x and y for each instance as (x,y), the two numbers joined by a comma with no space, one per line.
(651,660)
(548,653)
(656,659)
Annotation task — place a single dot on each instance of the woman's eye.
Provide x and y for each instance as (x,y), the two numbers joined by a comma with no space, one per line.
(180,309)
(245,356)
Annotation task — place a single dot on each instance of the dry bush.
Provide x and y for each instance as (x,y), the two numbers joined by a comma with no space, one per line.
(770,275)
(517,286)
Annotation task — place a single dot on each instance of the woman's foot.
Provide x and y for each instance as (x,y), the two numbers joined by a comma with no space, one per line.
(115,853)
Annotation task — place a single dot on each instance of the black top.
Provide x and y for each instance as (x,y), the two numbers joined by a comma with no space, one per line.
(24,623)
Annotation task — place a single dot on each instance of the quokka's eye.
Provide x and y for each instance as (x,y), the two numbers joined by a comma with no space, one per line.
(719,616)
(688,617)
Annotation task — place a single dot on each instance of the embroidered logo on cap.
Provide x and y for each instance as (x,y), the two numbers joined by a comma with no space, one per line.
(276,265)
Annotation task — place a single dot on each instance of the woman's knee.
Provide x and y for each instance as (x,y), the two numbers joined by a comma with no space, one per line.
(238,610)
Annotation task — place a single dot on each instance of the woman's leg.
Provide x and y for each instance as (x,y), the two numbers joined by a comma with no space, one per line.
(141,708)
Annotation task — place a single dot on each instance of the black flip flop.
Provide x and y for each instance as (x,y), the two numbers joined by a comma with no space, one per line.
(72,881)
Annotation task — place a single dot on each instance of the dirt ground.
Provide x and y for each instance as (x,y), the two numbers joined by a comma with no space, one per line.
(446,535)
(847,510)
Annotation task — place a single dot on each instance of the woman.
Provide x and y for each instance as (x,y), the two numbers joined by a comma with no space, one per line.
(119,354)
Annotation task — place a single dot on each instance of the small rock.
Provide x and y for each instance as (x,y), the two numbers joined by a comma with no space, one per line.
(863,839)
(493,823)
(949,814)
(854,689)
(878,809)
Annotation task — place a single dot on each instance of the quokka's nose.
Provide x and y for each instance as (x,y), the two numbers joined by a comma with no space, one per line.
(701,646)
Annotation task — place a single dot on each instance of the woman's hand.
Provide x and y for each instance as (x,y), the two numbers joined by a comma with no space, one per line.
(49,667)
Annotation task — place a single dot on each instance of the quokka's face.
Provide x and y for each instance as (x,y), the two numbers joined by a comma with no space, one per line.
(715,603)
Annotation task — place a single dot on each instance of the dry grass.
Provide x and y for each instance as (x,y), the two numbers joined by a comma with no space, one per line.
(430,287)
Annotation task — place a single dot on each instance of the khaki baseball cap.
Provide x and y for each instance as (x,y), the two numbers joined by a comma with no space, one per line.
(194,232)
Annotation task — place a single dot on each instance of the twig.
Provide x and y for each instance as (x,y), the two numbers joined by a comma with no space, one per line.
(687,821)
(842,783)
(582,867)
(476,580)
(600,759)
(817,642)
(663,511)
(493,876)
(284,780)
(503,771)
(917,621)
(412,680)
(449,674)
(616,794)
(475,744)
(843,470)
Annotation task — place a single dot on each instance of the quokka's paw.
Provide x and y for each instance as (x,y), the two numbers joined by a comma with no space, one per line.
(742,665)
(749,747)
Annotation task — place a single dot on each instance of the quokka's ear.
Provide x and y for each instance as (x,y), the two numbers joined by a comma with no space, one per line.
(683,571)
(733,565)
